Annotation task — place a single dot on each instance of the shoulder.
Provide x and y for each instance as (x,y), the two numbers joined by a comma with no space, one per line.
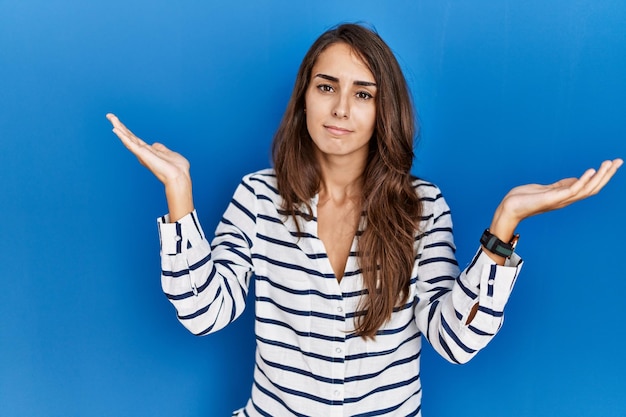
(426,190)
(431,198)
(261,182)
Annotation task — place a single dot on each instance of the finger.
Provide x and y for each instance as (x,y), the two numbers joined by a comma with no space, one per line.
(130,140)
(597,181)
(592,181)
(133,143)
(121,127)
(611,169)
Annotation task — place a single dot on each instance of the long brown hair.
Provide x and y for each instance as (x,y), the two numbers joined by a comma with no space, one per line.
(389,202)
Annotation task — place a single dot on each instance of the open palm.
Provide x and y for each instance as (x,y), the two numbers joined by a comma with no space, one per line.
(166,165)
(531,199)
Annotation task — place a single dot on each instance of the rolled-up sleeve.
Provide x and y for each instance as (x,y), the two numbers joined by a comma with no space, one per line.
(446,295)
(207,283)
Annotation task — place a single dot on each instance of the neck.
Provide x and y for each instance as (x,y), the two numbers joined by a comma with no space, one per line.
(341,178)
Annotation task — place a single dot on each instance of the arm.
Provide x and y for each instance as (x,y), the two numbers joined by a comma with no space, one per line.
(532,199)
(461,312)
(207,286)
(447,296)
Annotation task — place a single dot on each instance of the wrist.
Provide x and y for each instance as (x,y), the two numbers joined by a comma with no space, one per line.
(179,198)
(503,225)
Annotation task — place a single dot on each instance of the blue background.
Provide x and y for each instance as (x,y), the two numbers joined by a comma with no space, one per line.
(508,92)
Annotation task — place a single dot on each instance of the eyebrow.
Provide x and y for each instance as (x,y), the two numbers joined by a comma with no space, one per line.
(336,80)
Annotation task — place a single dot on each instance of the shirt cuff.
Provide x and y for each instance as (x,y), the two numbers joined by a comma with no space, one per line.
(181,235)
(497,281)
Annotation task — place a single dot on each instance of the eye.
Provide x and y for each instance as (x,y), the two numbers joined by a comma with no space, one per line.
(364,95)
(325,88)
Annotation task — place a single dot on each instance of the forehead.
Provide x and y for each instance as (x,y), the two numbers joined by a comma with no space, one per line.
(341,61)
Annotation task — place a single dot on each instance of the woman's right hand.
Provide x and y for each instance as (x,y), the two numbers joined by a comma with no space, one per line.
(171,168)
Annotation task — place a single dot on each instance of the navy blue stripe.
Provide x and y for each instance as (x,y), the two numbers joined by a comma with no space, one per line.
(299,371)
(300,312)
(454,337)
(480,332)
(291,245)
(474,260)
(210,328)
(439,245)
(386,332)
(265,183)
(197,224)
(276,398)
(265,197)
(391,365)
(492,275)
(233,311)
(440,292)
(357,356)
(442,278)
(246,259)
(294,267)
(248,187)
(433,231)
(243,209)
(466,290)
(190,293)
(306,216)
(269,218)
(388,387)
(200,263)
(431,314)
(490,311)
(445,347)
(301,393)
(444,214)
(256,407)
(358,293)
(237,236)
(297,332)
(458,315)
(203,309)
(298,292)
(439,259)
(420,183)
(424,199)
(175,274)
(297,349)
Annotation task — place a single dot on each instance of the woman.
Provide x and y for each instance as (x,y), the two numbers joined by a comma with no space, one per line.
(353,258)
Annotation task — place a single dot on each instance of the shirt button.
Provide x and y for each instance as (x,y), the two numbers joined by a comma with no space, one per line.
(338,350)
(178,238)
(337,393)
(491,281)
(339,309)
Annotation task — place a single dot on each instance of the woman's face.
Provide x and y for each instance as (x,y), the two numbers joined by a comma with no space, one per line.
(341,104)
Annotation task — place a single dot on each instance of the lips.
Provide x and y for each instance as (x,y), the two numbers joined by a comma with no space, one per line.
(336,130)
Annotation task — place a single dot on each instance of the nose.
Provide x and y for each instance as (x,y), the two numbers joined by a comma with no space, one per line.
(341,108)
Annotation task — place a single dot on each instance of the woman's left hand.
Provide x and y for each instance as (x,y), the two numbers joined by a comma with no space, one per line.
(531,199)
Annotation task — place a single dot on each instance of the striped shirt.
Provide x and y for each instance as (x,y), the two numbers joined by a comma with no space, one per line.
(308,360)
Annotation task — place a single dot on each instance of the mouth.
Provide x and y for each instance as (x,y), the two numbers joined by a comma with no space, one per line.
(336,130)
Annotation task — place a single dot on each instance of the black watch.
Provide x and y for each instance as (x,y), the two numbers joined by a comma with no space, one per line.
(495,245)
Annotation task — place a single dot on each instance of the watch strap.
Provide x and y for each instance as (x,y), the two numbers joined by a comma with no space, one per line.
(493,244)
